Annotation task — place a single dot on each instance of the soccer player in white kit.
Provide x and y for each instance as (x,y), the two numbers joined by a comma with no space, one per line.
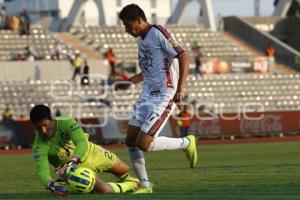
(164,69)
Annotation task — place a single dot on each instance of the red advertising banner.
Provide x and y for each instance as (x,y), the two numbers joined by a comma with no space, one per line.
(247,123)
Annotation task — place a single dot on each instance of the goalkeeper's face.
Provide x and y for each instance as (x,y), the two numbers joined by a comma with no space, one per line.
(46,127)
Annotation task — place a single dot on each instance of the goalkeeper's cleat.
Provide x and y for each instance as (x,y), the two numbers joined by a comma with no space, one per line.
(133,183)
(144,190)
(191,151)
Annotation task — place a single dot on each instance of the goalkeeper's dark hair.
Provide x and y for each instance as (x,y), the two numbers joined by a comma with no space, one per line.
(132,12)
(40,112)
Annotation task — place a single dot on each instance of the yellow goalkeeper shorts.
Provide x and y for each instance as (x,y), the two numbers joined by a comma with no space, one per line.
(98,158)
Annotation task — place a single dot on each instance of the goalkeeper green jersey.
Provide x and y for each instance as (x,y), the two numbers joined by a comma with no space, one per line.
(68,140)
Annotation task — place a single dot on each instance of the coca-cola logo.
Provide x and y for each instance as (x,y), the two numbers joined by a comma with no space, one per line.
(267,124)
(208,127)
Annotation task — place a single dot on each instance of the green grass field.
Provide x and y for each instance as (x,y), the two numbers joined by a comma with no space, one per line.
(231,171)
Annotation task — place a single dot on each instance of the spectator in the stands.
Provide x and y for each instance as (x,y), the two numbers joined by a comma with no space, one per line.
(22,118)
(85,75)
(7,114)
(220,22)
(57,113)
(270,53)
(56,51)
(111,58)
(30,53)
(122,75)
(2,17)
(197,54)
(26,22)
(184,121)
(77,63)
(14,23)
(19,57)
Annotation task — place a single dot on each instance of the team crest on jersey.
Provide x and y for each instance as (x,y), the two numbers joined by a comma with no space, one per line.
(172,42)
(145,49)
(74,127)
(64,135)
(144,62)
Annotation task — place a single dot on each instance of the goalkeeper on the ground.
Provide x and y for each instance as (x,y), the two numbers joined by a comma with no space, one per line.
(62,143)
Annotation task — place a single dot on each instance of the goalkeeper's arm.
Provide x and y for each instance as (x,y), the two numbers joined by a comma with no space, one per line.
(80,141)
(57,187)
(77,136)
(40,155)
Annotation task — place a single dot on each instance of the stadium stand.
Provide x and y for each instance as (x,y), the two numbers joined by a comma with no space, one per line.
(214,44)
(42,41)
(217,93)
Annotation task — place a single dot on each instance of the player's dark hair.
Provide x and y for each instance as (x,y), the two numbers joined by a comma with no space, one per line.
(132,12)
(40,112)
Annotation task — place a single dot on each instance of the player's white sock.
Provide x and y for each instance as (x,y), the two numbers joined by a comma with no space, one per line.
(138,165)
(167,143)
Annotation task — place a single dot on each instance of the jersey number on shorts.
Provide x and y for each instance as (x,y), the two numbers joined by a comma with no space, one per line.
(108,155)
(152,116)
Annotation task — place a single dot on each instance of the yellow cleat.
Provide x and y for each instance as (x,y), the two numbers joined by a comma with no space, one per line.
(191,151)
(132,182)
(144,190)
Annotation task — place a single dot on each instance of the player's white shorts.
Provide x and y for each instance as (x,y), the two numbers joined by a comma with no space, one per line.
(151,112)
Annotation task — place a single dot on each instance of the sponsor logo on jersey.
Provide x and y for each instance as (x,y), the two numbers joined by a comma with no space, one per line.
(74,127)
(172,42)
(168,74)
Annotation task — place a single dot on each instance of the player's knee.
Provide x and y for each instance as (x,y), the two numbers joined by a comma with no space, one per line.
(130,143)
(103,189)
(106,190)
(125,167)
(143,146)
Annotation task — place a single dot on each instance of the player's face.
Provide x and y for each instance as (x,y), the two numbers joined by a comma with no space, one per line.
(132,27)
(46,127)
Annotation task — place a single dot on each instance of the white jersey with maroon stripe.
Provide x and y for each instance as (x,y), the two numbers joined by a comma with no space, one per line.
(156,60)
(160,72)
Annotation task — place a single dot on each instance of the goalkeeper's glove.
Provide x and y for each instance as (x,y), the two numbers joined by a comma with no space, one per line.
(69,166)
(57,187)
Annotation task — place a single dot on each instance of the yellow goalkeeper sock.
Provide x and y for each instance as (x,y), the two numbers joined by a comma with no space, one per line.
(123,177)
(123,187)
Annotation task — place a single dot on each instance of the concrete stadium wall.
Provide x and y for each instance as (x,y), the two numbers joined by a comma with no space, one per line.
(260,40)
(286,29)
(45,70)
(293,32)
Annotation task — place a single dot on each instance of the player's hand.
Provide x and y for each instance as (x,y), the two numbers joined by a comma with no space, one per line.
(58,187)
(116,84)
(121,84)
(69,166)
(178,99)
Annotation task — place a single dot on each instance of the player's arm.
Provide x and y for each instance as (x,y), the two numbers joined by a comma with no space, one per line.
(173,49)
(77,135)
(136,78)
(184,63)
(119,84)
(40,156)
